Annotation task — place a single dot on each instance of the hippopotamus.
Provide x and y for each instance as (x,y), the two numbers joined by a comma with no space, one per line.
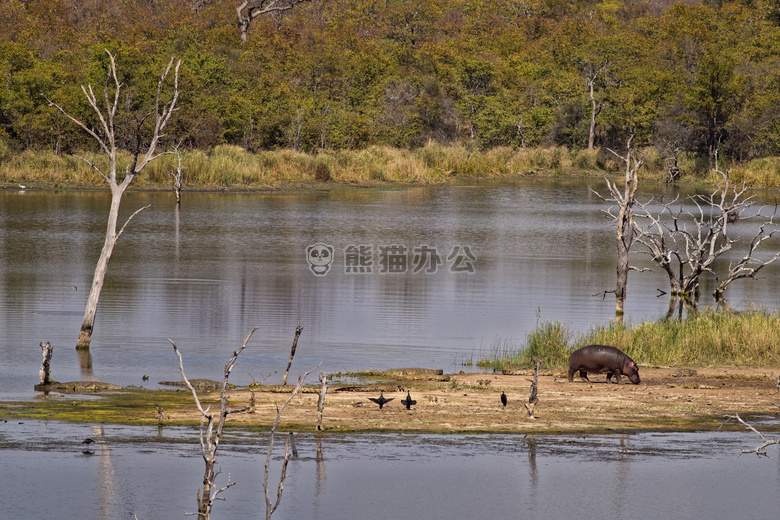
(598,359)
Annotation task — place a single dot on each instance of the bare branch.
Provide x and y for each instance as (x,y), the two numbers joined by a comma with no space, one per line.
(269,506)
(209,440)
(136,212)
(251,9)
(93,167)
(758,450)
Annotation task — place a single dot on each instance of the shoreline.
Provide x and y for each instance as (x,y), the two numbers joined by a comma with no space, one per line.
(665,400)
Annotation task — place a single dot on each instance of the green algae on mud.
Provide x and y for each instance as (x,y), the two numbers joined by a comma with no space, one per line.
(128,406)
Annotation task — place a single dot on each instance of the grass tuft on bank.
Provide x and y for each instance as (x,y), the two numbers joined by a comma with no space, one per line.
(707,338)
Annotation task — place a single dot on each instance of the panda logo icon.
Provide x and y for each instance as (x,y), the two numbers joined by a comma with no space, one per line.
(319,256)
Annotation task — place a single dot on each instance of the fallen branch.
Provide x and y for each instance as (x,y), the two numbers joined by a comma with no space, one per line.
(758,450)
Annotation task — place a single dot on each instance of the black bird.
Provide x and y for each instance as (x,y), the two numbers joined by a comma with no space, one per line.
(87,441)
(381,400)
(408,402)
(503,398)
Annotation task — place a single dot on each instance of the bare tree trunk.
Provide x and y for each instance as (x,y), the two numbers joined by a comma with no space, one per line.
(176,177)
(270,506)
(625,222)
(209,439)
(106,138)
(533,394)
(595,109)
(46,364)
(298,331)
(321,400)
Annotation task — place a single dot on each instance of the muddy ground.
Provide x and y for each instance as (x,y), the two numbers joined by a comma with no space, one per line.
(666,399)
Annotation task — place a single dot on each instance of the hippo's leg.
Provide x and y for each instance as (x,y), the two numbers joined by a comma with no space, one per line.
(571,375)
(584,376)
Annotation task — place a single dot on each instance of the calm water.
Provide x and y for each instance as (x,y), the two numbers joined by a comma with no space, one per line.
(643,476)
(206,274)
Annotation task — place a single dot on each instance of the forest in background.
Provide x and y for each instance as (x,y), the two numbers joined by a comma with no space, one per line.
(693,80)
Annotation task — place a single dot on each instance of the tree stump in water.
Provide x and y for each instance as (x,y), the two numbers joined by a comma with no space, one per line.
(46,364)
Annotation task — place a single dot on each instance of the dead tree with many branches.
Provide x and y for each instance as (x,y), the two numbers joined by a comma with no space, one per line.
(209,436)
(623,201)
(106,135)
(270,506)
(211,428)
(686,244)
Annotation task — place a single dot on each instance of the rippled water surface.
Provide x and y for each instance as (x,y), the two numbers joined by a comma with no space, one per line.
(155,474)
(206,273)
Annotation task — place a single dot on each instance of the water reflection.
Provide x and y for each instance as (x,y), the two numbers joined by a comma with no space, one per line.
(652,475)
(207,272)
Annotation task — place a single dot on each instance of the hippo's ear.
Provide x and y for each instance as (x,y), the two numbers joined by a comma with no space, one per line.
(632,364)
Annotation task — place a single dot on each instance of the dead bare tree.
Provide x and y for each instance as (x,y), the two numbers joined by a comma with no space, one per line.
(106,136)
(592,72)
(270,506)
(321,400)
(47,352)
(533,393)
(298,331)
(251,9)
(623,200)
(748,266)
(209,438)
(176,177)
(686,244)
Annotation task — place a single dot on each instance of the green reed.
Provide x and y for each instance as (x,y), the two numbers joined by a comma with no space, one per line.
(706,338)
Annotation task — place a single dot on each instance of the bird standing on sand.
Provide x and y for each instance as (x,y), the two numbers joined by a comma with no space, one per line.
(503,398)
(408,402)
(381,400)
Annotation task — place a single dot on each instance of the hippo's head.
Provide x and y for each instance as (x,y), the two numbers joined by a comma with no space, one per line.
(631,371)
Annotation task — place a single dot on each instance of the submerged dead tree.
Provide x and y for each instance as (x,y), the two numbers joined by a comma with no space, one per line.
(623,200)
(686,244)
(209,436)
(106,135)
(298,331)
(270,506)
(321,400)
(45,372)
(176,177)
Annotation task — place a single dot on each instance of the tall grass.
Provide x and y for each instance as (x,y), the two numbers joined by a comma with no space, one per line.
(707,338)
(233,166)
(548,343)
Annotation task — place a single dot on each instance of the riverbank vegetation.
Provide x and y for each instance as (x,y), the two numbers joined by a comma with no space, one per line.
(707,338)
(398,91)
(232,167)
